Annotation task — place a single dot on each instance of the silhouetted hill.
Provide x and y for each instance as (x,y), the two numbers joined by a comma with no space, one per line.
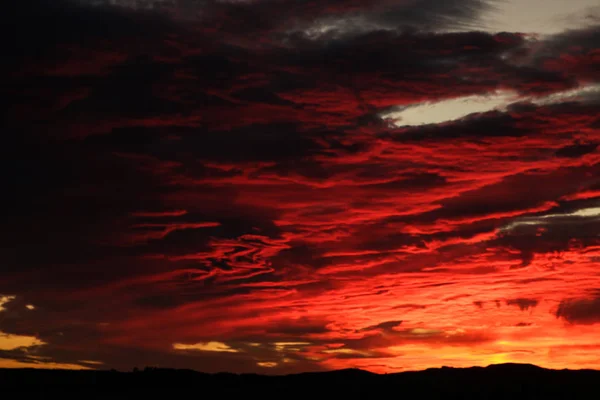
(504,381)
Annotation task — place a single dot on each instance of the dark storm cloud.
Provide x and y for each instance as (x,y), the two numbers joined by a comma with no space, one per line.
(583,311)
(523,303)
(67,194)
(339,16)
(573,52)
(383,326)
(490,124)
(56,30)
(557,231)
(577,150)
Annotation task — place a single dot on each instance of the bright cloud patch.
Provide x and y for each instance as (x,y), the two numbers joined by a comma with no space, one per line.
(540,16)
(592,212)
(449,110)
(91,362)
(290,346)
(346,351)
(267,364)
(579,94)
(457,108)
(207,346)
(4,300)
(12,342)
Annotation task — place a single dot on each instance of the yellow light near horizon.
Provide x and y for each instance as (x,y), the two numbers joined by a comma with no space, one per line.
(12,342)
(4,300)
(206,346)
(8,363)
(267,364)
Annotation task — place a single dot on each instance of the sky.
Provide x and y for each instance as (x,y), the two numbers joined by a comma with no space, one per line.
(278,186)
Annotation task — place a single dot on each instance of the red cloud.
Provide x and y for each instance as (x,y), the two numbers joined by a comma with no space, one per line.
(228,197)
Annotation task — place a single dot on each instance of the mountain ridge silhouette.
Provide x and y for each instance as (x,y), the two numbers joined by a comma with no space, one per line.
(495,381)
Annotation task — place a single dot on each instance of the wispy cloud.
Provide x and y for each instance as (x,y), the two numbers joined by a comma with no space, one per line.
(207,346)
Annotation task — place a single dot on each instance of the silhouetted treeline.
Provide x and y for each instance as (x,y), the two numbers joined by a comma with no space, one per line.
(506,381)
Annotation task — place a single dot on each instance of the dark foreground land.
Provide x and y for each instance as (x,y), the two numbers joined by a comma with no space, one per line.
(506,381)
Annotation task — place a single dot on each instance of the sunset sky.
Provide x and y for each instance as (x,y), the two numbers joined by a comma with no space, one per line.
(278,186)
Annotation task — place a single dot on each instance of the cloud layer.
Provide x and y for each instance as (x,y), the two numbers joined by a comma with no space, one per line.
(220,186)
